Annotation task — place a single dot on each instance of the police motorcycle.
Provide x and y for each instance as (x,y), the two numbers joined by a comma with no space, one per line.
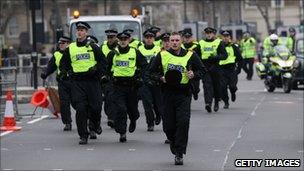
(278,69)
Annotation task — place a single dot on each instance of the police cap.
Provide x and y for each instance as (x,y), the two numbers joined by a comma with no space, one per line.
(123,35)
(111,32)
(165,36)
(154,29)
(82,24)
(225,33)
(187,32)
(148,33)
(210,30)
(64,39)
(129,31)
(93,38)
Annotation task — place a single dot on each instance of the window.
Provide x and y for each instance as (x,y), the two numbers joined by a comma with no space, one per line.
(13,29)
(277,3)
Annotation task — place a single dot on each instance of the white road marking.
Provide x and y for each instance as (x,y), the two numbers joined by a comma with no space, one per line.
(4,149)
(38,119)
(300,151)
(216,150)
(5,133)
(7,169)
(131,149)
(240,132)
(47,149)
(259,151)
(282,102)
(90,149)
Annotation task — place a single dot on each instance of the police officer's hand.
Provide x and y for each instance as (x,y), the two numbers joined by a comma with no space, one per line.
(162,79)
(105,79)
(43,76)
(190,74)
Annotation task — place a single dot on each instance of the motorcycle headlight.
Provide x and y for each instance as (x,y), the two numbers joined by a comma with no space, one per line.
(296,64)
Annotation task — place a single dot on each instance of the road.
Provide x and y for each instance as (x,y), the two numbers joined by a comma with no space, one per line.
(259,125)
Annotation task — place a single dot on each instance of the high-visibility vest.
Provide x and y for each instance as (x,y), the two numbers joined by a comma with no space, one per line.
(172,62)
(134,44)
(231,56)
(105,48)
(82,58)
(158,43)
(58,55)
(124,65)
(194,45)
(149,53)
(248,48)
(290,44)
(209,48)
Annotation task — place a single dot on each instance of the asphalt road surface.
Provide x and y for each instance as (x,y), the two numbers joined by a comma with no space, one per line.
(259,125)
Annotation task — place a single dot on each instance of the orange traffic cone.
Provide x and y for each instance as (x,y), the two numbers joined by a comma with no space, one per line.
(40,99)
(9,123)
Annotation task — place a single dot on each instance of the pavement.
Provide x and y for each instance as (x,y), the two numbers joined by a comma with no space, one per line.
(259,125)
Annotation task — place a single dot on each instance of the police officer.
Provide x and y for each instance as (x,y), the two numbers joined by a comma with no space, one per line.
(156,31)
(107,46)
(212,51)
(126,67)
(291,40)
(177,66)
(190,44)
(248,48)
(165,39)
(64,85)
(150,92)
(85,65)
(230,68)
(133,42)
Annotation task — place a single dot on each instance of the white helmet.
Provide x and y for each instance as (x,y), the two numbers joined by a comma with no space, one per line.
(274,37)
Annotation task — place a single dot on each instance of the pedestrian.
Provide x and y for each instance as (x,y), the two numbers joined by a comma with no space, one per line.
(150,92)
(230,68)
(190,44)
(64,84)
(107,46)
(212,51)
(177,66)
(126,67)
(85,65)
(248,48)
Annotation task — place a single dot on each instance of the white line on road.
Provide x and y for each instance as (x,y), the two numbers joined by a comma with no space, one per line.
(38,119)
(259,151)
(240,132)
(47,149)
(7,169)
(5,133)
(4,149)
(90,149)
(216,150)
(131,149)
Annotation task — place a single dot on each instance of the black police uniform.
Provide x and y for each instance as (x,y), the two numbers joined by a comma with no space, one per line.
(107,84)
(195,84)
(150,93)
(211,80)
(125,90)
(229,73)
(176,101)
(64,89)
(86,89)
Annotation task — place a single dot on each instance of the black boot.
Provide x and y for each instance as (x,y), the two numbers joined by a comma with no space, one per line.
(208,107)
(83,141)
(150,128)
(98,130)
(132,126)
(195,96)
(167,141)
(93,135)
(111,123)
(179,159)
(123,138)
(216,106)
(226,106)
(67,127)
(157,120)
(233,97)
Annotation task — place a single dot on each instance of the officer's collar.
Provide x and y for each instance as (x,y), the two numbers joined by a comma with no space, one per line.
(123,50)
(188,45)
(148,47)
(182,52)
(83,43)
(210,40)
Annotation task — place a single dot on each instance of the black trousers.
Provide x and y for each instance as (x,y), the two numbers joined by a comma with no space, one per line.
(176,119)
(87,99)
(124,104)
(248,67)
(64,91)
(195,86)
(211,85)
(229,80)
(108,92)
(152,102)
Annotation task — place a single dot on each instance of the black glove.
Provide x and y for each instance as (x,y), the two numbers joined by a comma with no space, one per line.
(105,79)
(43,76)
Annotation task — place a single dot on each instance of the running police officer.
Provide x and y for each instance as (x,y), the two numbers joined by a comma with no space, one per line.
(150,92)
(133,42)
(126,67)
(212,51)
(156,31)
(64,84)
(230,68)
(85,65)
(248,48)
(165,39)
(177,66)
(107,46)
(191,45)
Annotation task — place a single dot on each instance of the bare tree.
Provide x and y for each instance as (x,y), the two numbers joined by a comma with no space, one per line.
(6,13)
